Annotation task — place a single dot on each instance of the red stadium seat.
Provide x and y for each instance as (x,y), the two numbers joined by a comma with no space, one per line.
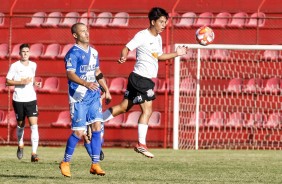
(51,84)
(70,19)
(131,55)
(256,20)
(220,54)
(202,119)
(205,54)
(15,51)
(156,81)
(2,83)
(88,20)
(274,120)
(257,120)
(4,50)
(270,55)
(53,19)
(63,120)
(51,52)
(238,20)
(204,19)
(120,19)
(38,79)
(117,85)
(103,19)
(235,85)
(162,87)
(132,119)
(155,119)
(37,19)
(217,119)
(272,85)
(188,85)
(2,19)
(236,119)
(186,20)
(2,116)
(253,85)
(116,121)
(11,118)
(36,50)
(65,49)
(221,20)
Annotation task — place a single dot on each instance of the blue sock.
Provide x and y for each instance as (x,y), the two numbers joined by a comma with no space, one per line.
(96,146)
(71,144)
(88,148)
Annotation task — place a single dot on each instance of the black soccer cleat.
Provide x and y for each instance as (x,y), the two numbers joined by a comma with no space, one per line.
(20,152)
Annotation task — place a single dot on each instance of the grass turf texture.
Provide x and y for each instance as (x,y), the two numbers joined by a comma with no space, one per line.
(126,166)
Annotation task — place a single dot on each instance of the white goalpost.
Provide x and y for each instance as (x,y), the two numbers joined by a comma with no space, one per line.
(227,96)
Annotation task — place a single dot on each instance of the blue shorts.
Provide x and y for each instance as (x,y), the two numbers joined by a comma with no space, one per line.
(85,112)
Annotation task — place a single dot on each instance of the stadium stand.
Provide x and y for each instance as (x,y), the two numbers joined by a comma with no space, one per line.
(220,54)
(132,119)
(235,85)
(2,83)
(88,20)
(217,119)
(120,19)
(238,20)
(253,85)
(103,19)
(272,85)
(274,120)
(256,20)
(221,20)
(204,19)
(37,19)
(202,119)
(236,119)
(63,120)
(69,19)
(188,85)
(2,19)
(117,85)
(270,55)
(51,52)
(155,119)
(187,20)
(116,121)
(157,83)
(36,50)
(38,79)
(53,19)
(51,84)
(257,120)
(65,49)
(4,50)
(10,118)
(15,51)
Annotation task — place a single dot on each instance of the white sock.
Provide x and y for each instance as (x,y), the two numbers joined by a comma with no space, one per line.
(142,133)
(34,137)
(20,134)
(107,115)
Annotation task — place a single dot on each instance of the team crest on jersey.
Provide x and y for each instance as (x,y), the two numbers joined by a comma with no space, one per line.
(69,62)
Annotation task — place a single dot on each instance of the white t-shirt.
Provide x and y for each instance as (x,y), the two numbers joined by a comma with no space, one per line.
(17,71)
(148,48)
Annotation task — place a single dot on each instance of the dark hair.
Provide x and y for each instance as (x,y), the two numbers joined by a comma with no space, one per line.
(156,12)
(23,46)
(74,27)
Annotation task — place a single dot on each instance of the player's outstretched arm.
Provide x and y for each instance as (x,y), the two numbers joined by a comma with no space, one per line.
(180,50)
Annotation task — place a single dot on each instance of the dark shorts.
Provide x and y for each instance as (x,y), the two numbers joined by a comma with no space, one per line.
(139,89)
(25,109)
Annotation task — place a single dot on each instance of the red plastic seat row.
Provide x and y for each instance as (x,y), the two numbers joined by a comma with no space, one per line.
(237,119)
(56,19)
(221,20)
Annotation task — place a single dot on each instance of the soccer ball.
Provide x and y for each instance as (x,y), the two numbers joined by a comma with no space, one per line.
(204,35)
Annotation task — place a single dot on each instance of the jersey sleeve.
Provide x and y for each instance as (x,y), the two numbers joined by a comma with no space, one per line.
(136,41)
(11,73)
(70,62)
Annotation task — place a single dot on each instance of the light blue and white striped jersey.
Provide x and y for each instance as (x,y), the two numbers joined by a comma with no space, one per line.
(84,63)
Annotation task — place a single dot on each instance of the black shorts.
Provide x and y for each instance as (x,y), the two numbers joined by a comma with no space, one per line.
(25,109)
(139,89)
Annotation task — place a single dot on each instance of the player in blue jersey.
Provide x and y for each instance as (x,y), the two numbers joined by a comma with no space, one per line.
(84,81)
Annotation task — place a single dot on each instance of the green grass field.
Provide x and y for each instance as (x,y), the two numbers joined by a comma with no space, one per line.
(126,166)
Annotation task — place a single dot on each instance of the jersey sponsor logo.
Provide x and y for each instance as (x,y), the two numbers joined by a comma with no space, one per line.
(137,99)
(91,78)
(87,68)
(155,55)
